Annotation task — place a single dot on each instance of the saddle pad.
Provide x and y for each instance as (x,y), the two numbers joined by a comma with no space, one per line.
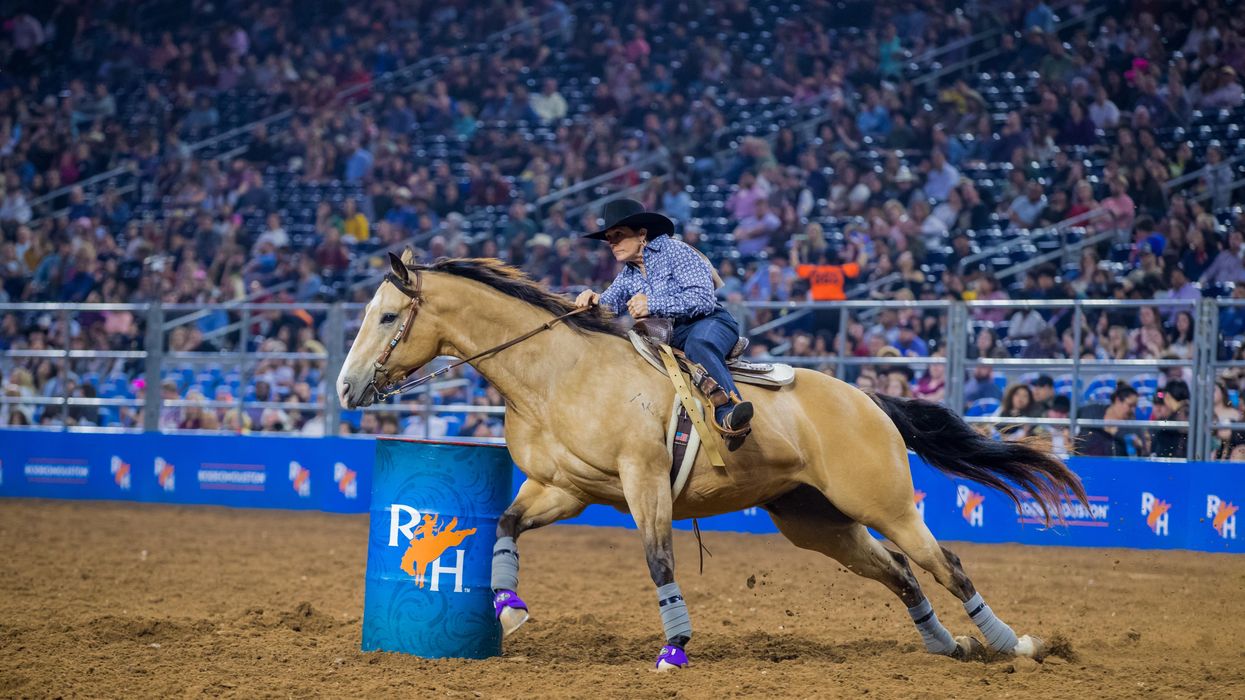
(767,375)
(682,443)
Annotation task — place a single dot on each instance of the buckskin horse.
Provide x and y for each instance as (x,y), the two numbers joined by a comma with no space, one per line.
(586,419)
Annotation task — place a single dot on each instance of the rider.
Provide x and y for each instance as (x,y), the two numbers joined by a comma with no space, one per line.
(667,278)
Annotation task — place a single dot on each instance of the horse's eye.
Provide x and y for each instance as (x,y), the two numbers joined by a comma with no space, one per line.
(386,319)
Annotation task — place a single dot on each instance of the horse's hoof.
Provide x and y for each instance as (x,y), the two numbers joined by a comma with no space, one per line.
(671,657)
(1030,647)
(511,611)
(968,649)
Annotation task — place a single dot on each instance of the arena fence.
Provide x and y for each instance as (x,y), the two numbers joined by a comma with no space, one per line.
(144,378)
(1135,504)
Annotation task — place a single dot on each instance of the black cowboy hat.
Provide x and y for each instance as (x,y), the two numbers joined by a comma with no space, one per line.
(630,213)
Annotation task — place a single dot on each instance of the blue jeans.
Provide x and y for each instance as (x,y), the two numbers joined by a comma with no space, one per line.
(707,341)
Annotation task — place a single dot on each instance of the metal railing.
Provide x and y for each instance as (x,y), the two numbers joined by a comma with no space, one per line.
(932,77)
(149,381)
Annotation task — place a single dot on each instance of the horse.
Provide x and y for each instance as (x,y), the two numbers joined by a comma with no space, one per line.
(586,419)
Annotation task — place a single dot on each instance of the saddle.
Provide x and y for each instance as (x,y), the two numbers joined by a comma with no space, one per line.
(651,338)
(648,335)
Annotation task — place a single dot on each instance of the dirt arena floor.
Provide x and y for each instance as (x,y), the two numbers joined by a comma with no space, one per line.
(109,600)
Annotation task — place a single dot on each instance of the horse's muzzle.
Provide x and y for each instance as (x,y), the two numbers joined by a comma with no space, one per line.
(351,398)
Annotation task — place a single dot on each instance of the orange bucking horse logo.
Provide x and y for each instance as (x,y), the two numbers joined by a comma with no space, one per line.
(428,543)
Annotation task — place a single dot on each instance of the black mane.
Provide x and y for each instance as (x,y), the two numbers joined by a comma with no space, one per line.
(515,283)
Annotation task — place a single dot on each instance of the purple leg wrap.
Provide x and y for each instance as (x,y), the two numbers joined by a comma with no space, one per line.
(507,599)
(672,655)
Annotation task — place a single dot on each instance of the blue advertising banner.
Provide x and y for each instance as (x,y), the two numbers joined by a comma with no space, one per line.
(433,525)
(1137,504)
(331,474)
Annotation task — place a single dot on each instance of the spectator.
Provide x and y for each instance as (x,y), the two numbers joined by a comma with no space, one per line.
(1043,393)
(1103,112)
(1018,403)
(275,235)
(549,104)
(332,255)
(752,235)
(1179,287)
(1119,207)
(1039,16)
(909,344)
(933,385)
(1111,441)
(1226,438)
(742,202)
(941,178)
(354,223)
(1025,209)
(359,165)
(676,202)
(1171,404)
(874,119)
(982,385)
(1227,265)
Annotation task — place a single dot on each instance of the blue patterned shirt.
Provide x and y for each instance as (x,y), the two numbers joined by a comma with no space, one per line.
(676,279)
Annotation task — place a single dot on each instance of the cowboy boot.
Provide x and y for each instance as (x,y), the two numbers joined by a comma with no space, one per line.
(738,421)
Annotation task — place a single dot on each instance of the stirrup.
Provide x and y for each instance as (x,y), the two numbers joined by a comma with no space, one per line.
(743,432)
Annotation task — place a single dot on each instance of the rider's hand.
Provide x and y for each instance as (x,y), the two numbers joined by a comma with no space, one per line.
(638,306)
(587,298)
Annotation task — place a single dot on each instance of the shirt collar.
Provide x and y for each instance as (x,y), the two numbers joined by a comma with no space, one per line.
(657,245)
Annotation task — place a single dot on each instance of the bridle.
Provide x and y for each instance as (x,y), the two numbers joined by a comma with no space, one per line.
(378,367)
(381,382)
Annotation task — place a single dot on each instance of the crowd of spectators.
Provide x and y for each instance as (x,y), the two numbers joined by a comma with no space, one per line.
(891,196)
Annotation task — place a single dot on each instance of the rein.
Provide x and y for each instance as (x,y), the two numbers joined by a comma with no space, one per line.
(400,335)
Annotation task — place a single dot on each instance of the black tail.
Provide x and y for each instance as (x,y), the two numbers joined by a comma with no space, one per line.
(946,442)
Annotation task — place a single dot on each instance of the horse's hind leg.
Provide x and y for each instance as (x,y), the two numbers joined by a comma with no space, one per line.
(810,521)
(912,536)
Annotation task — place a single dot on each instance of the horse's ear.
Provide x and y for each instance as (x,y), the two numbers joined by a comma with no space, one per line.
(399,269)
(408,256)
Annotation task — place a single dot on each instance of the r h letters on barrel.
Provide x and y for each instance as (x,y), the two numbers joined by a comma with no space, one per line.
(434,514)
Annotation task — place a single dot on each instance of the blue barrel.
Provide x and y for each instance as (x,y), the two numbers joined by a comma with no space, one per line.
(434,517)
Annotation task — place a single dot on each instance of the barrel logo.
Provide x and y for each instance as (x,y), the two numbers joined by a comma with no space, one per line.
(918,498)
(425,544)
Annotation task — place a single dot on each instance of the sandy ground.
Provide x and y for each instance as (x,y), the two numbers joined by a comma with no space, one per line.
(110,600)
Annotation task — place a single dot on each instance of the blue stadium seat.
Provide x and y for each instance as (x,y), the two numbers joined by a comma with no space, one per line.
(1145,384)
(1065,385)
(982,407)
(1100,387)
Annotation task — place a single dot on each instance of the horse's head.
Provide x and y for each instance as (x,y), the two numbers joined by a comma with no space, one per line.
(387,347)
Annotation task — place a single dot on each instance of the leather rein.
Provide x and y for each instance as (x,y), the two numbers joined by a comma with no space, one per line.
(380,374)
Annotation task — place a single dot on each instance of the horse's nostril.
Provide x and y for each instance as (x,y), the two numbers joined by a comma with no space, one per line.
(345,388)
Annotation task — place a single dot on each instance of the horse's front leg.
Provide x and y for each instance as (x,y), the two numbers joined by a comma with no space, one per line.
(648,497)
(536,505)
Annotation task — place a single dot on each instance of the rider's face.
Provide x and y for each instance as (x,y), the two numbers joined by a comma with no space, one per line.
(627,244)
